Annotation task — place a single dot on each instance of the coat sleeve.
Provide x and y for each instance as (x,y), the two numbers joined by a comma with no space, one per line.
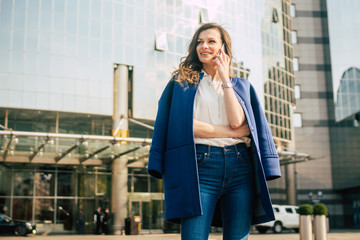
(269,156)
(156,154)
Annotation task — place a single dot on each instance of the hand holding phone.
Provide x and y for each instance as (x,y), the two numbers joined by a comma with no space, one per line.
(222,48)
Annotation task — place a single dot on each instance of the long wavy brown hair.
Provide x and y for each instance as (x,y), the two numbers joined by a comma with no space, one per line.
(190,66)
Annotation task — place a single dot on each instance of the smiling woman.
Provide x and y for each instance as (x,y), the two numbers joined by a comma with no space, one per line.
(212,144)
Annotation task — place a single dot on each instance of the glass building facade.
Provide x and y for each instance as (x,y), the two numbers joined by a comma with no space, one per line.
(344,34)
(58,60)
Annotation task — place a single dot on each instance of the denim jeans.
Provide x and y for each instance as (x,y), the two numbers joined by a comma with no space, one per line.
(225,174)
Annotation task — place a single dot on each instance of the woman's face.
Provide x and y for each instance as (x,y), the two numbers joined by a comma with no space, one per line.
(208,45)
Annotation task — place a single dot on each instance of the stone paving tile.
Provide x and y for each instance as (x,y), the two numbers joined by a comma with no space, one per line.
(285,236)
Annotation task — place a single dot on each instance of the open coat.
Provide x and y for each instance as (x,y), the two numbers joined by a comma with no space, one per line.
(173,156)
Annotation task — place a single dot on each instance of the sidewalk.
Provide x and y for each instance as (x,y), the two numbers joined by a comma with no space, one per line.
(344,235)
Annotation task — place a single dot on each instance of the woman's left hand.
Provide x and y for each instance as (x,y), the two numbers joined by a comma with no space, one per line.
(223,63)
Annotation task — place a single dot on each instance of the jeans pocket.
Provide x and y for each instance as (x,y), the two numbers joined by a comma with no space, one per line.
(245,155)
(201,158)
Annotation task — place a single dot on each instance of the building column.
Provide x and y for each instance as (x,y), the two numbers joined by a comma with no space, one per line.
(290,184)
(119,165)
(119,193)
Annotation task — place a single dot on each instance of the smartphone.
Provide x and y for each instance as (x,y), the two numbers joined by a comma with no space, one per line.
(222,48)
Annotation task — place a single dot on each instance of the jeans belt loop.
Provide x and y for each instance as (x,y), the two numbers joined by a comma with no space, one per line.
(237,151)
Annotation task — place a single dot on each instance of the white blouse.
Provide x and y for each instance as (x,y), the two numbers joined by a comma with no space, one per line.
(209,107)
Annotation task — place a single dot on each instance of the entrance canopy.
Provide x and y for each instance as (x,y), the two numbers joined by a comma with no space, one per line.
(71,149)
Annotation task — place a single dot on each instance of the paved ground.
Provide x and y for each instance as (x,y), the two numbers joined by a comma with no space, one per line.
(344,235)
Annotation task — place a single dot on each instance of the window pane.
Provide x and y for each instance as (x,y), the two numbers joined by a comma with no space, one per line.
(88,208)
(157,216)
(104,185)
(66,184)
(5,177)
(65,213)
(44,210)
(140,183)
(22,209)
(296,64)
(23,183)
(297,92)
(86,185)
(5,206)
(45,183)
(156,185)
(297,120)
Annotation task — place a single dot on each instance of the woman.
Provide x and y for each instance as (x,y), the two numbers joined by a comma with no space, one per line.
(212,144)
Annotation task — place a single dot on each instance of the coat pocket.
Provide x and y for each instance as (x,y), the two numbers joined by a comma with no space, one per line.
(172,168)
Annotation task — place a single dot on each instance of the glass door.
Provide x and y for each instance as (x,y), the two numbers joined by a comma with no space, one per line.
(141,209)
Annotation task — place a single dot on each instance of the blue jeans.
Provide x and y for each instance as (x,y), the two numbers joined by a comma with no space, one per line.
(225,174)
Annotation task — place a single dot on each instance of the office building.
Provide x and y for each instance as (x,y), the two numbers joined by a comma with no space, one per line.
(79,85)
(326,120)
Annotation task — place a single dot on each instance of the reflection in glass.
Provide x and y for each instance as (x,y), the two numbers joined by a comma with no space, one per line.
(23,183)
(156,185)
(88,207)
(157,214)
(145,215)
(86,185)
(22,209)
(44,183)
(5,206)
(5,177)
(140,183)
(65,213)
(44,210)
(66,184)
(104,185)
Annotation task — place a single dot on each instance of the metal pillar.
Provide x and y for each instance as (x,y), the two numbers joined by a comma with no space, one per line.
(119,165)
(290,184)
(121,79)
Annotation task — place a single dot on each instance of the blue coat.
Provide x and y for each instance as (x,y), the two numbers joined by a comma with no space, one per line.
(172,154)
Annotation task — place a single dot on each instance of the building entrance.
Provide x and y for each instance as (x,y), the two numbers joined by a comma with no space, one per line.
(149,212)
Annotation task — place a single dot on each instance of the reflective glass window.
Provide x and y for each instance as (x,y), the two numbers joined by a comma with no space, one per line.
(23,183)
(107,9)
(32,19)
(83,26)
(95,28)
(59,23)
(156,185)
(45,183)
(65,213)
(66,184)
(297,120)
(157,214)
(59,5)
(84,7)
(5,206)
(104,185)
(18,40)
(19,18)
(44,45)
(140,183)
(88,207)
(44,210)
(71,6)
(22,208)
(5,182)
(71,22)
(31,40)
(86,183)
(45,20)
